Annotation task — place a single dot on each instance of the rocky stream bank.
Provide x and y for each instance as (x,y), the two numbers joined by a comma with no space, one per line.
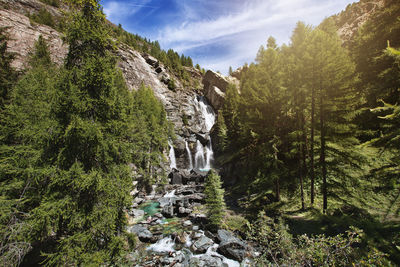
(171,228)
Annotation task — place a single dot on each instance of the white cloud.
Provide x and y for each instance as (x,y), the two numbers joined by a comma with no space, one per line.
(118,11)
(260,17)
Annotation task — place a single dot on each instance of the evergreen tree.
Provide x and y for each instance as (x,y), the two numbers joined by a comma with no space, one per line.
(332,76)
(390,134)
(7,74)
(214,199)
(377,70)
(83,205)
(26,129)
(296,84)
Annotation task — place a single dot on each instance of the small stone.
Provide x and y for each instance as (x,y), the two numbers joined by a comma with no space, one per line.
(187,223)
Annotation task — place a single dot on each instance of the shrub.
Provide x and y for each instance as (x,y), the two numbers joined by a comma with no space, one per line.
(43,17)
(281,248)
(55,3)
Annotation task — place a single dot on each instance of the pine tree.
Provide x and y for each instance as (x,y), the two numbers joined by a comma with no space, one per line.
(215,202)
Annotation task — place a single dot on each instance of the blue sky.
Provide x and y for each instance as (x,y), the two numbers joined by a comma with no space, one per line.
(218,33)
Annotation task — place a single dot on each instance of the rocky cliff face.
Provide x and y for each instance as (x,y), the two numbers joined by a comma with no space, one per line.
(181,103)
(354,16)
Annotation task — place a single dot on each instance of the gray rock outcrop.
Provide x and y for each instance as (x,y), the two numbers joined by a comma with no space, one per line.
(215,86)
(231,246)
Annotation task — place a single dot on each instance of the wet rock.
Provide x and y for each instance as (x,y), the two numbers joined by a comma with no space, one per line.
(206,261)
(142,233)
(168,211)
(136,213)
(176,178)
(231,246)
(183,211)
(187,223)
(166,201)
(201,245)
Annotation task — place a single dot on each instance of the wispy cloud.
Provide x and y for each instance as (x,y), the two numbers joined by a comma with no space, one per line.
(261,18)
(117,11)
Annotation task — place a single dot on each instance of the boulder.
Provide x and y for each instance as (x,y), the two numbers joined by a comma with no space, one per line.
(212,78)
(168,211)
(230,246)
(166,201)
(183,211)
(206,261)
(136,213)
(187,223)
(215,96)
(142,233)
(201,245)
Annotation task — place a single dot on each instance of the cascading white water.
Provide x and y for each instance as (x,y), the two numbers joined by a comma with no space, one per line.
(163,245)
(170,194)
(207,112)
(172,158)
(209,155)
(199,161)
(189,154)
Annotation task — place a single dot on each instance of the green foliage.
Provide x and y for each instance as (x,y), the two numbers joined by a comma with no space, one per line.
(306,88)
(171,85)
(378,71)
(281,248)
(215,202)
(170,58)
(43,17)
(235,223)
(7,74)
(25,132)
(54,3)
(72,141)
(41,55)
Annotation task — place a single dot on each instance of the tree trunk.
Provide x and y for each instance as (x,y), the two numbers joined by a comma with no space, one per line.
(277,190)
(322,158)
(312,144)
(300,158)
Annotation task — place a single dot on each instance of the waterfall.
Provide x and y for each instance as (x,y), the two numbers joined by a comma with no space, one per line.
(203,162)
(207,112)
(172,158)
(189,154)
(209,155)
(199,156)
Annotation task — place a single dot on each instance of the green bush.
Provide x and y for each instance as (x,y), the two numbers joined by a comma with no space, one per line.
(171,85)
(281,248)
(55,3)
(43,17)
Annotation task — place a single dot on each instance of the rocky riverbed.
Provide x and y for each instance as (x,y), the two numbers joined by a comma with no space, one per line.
(171,232)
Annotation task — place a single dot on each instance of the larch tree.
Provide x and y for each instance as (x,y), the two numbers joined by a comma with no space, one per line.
(332,77)
(215,202)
